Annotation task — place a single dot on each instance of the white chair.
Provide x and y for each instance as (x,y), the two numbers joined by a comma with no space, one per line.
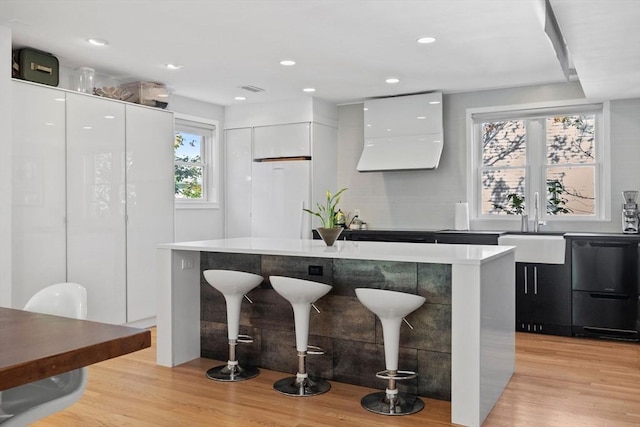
(301,294)
(25,404)
(233,285)
(391,307)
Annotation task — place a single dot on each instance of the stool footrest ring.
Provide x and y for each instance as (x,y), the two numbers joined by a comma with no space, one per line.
(398,376)
(245,339)
(312,349)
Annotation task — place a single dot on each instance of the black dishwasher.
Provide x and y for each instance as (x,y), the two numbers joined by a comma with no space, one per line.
(606,290)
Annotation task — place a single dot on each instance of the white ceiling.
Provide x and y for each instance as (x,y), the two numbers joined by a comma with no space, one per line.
(343,48)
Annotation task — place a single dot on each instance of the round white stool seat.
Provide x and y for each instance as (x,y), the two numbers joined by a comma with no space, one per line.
(299,290)
(301,294)
(389,304)
(233,285)
(230,282)
(391,307)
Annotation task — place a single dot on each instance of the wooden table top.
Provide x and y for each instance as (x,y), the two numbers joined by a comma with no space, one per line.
(35,346)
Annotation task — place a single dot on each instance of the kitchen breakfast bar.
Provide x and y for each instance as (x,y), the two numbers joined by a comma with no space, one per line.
(462,347)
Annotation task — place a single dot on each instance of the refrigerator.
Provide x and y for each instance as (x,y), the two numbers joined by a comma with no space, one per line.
(280,190)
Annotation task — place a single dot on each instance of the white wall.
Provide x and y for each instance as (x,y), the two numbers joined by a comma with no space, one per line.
(625,152)
(425,199)
(201,223)
(5,167)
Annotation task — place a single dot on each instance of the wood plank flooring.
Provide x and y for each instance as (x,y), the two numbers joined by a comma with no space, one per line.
(558,382)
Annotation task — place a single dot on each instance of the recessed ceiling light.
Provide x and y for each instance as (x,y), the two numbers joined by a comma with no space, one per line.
(434,102)
(366,109)
(173,66)
(97,42)
(87,127)
(287,62)
(426,40)
(309,89)
(240,98)
(393,80)
(109,117)
(421,117)
(49,124)
(60,99)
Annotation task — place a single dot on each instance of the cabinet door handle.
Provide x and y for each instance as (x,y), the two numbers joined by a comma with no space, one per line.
(535,280)
(525,280)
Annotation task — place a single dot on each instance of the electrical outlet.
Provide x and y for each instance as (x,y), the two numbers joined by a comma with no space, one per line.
(315,270)
(187,263)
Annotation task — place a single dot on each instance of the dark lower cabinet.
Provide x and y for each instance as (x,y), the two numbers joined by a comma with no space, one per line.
(461,238)
(391,236)
(606,315)
(543,298)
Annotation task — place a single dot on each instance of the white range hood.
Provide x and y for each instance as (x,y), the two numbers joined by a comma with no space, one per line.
(402,133)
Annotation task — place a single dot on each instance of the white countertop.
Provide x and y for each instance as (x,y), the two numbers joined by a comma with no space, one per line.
(381,251)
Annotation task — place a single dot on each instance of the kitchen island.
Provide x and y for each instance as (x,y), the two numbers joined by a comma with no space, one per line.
(469,287)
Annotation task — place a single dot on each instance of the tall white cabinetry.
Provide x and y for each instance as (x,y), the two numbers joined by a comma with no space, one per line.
(38,198)
(96,234)
(281,181)
(238,180)
(289,151)
(118,187)
(150,195)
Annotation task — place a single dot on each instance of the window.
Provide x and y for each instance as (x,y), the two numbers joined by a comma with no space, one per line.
(558,153)
(195,162)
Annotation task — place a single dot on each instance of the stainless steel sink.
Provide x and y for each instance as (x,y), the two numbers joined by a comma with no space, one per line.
(540,248)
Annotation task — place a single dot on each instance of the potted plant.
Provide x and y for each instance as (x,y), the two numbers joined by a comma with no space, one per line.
(329,231)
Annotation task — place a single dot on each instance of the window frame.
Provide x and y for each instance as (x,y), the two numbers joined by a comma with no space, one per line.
(210,161)
(536,165)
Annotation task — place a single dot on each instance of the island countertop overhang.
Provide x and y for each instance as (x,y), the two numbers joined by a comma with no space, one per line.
(438,253)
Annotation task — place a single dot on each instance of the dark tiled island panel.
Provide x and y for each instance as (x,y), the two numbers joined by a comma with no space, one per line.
(349,333)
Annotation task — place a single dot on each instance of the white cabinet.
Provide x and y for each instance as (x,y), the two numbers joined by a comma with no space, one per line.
(38,199)
(279,158)
(288,140)
(150,187)
(238,182)
(116,190)
(265,198)
(96,235)
(280,191)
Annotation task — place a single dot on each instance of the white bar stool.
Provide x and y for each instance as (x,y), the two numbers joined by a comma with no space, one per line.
(301,294)
(233,285)
(391,307)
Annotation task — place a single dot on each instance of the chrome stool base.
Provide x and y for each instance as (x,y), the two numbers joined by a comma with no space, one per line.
(292,386)
(231,373)
(380,403)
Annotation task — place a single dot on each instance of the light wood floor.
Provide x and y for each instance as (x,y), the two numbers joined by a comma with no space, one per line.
(558,382)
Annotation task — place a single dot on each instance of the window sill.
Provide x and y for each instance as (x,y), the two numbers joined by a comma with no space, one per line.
(196,205)
(557,220)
